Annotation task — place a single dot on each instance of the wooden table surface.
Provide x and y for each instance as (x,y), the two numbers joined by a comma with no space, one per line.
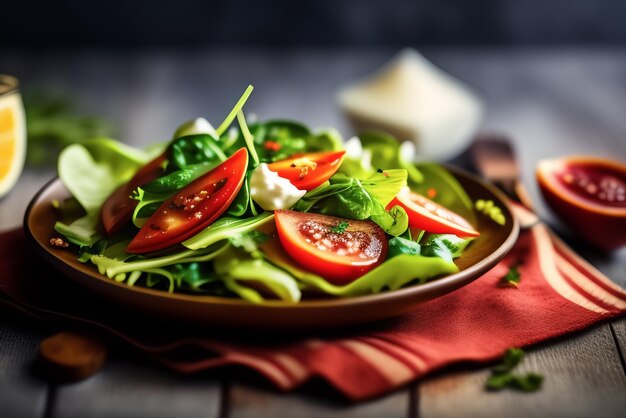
(551,102)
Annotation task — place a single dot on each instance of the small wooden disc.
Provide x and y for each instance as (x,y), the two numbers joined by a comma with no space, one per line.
(72,356)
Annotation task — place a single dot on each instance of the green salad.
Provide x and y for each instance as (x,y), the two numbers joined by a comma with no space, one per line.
(266,210)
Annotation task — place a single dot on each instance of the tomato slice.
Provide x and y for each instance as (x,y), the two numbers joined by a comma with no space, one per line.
(432,217)
(307,171)
(194,207)
(340,250)
(118,209)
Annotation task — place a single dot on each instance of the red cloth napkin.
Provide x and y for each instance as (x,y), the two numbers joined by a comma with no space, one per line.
(559,293)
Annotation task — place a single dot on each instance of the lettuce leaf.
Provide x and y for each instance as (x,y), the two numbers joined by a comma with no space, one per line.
(391,275)
(244,274)
(92,171)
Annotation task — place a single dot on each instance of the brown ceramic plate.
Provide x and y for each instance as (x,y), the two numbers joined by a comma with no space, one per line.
(492,245)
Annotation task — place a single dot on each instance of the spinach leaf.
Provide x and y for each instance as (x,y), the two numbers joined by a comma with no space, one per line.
(282,139)
(398,246)
(436,248)
(193,149)
(352,202)
(454,244)
(327,139)
(351,198)
(340,184)
(178,179)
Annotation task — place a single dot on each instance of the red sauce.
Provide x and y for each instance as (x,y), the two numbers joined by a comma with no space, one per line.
(597,184)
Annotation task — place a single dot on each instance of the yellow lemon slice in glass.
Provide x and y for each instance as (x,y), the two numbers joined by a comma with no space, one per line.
(12,134)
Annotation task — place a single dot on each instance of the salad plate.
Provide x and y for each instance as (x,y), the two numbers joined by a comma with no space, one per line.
(485,252)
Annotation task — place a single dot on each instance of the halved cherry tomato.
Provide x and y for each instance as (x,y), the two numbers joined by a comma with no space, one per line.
(432,217)
(118,209)
(340,250)
(194,207)
(307,171)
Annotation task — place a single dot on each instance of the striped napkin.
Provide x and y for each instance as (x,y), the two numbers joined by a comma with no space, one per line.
(558,293)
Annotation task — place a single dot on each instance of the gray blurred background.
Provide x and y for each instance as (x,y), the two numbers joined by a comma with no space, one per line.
(549,72)
(297,23)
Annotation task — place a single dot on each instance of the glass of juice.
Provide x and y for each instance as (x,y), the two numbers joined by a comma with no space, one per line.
(12,133)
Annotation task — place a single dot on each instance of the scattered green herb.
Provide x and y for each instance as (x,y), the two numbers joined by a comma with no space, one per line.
(502,375)
(340,228)
(512,278)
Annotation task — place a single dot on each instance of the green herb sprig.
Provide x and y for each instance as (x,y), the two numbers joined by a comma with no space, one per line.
(512,278)
(502,376)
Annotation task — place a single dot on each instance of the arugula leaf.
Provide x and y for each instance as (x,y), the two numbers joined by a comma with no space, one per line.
(247,137)
(502,376)
(231,116)
(225,228)
(118,269)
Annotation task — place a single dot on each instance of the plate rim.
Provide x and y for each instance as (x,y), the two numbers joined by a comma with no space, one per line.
(463,277)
